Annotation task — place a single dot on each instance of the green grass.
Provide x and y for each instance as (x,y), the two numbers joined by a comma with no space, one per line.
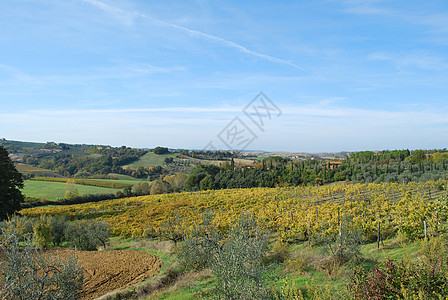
(394,249)
(151,160)
(54,190)
(188,292)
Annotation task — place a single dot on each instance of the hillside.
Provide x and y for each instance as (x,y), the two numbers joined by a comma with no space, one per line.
(294,213)
(70,160)
(302,222)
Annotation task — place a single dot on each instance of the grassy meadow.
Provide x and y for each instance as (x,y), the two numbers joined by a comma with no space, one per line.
(56,190)
(151,160)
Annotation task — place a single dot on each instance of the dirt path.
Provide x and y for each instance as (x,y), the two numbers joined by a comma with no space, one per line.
(105,271)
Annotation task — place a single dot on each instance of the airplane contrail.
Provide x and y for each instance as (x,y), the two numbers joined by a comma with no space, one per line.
(120,13)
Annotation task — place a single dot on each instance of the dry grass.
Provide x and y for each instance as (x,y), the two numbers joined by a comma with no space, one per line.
(164,246)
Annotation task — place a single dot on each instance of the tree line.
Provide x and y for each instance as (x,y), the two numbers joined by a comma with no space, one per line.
(365,167)
(95,161)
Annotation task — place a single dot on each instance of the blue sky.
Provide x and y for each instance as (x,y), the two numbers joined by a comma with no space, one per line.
(344,75)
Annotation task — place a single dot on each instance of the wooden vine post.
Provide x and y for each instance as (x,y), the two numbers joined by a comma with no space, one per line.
(424,226)
(379,235)
(339,224)
(309,233)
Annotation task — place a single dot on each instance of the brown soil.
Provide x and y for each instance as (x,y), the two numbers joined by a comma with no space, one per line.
(105,271)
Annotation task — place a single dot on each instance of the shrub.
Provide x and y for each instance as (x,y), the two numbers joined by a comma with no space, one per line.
(235,258)
(238,262)
(382,282)
(160,187)
(401,280)
(173,229)
(87,235)
(338,247)
(199,245)
(176,181)
(343,246)
(141,188)
(19,226)
(27,273)
(289,291)
(58,226)
(297,265)
(42,236)
(279,253)
(84,199)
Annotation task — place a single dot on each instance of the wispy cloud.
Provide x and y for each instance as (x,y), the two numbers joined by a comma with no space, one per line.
(365,8)
(202,110)
(364,116)
(13,74)
(436,21)
(439,22)
(324,126)
(120,70)
(128,16)
(323,109)
(415,60)
(124,16)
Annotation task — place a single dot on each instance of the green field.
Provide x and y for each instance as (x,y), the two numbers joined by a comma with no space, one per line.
(151,160)
(54,190)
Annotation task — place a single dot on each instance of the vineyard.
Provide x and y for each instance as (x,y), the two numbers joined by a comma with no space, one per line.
(28,169)
(294,213)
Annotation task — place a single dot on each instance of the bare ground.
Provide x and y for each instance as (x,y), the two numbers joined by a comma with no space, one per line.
(106,271)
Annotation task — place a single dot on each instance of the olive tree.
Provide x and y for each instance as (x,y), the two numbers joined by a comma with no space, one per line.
(28,273)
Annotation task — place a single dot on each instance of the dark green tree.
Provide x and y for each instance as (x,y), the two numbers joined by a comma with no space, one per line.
(161,150)
(197,174)
(417,157)
(11,182)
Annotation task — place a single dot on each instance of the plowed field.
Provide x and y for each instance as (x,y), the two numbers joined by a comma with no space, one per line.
(105,271)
